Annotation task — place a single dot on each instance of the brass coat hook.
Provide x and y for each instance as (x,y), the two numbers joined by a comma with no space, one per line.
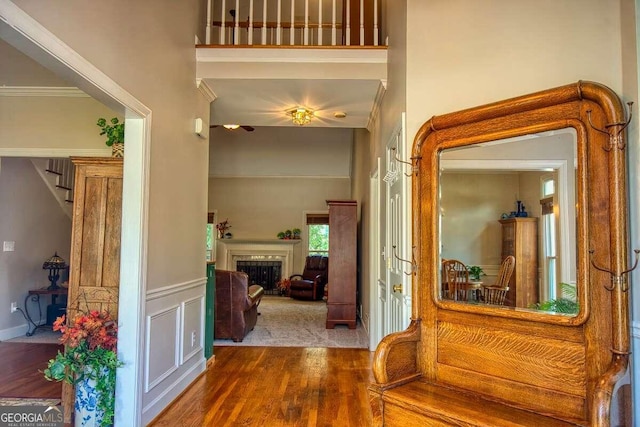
(616,279)
(395,157)
(615,137)
(412,262)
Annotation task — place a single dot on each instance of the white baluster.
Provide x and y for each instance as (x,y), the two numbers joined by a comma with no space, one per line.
(333,25)
(207,37)
(320,23)
(223,27)
(361,22)
(236,31)
(264,22)
(279,26)
(250,39)
(348,19)
(375,23)
(292,31)
(306,22)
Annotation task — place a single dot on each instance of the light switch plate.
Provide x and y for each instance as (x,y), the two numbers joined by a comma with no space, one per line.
(8,246)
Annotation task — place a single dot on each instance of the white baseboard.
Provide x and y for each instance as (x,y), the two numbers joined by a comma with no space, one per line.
(153,408)
(16,331)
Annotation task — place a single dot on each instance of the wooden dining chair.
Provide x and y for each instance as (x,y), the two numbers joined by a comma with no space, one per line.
(455,278)
(496,293)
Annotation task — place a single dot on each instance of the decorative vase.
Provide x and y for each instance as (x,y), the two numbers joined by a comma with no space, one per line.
(117,149)
(87,413)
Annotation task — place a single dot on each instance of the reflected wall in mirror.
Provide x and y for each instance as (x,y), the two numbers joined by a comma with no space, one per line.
(512,197)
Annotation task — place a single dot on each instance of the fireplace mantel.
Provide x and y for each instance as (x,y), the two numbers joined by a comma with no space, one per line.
(230,251)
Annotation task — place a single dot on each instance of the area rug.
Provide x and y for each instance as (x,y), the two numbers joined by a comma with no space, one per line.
(285,322)
(40,337)
(17,401)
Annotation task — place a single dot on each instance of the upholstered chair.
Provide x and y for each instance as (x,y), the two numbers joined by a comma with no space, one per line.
(310,284)
(236,305)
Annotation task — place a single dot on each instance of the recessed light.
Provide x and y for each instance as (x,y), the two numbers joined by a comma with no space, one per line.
(339,114)
(231,126)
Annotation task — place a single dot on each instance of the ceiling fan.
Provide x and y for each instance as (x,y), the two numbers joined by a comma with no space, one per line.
(234,127)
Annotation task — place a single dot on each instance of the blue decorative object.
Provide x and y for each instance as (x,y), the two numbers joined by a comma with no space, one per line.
(87,413)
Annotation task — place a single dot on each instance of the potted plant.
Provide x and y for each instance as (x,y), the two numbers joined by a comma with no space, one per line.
(475,272)
(281,235)
(288,234)
(115,135)
(296,233)
(90,362)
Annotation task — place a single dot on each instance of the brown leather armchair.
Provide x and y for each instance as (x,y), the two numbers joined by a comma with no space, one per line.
(310,284)
(236,305)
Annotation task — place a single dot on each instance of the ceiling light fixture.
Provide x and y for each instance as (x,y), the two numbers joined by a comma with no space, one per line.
(301,115)
(231,126)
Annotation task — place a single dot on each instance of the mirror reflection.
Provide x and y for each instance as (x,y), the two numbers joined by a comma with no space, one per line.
(508,223)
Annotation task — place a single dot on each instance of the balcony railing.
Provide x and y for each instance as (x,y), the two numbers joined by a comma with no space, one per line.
(293,22)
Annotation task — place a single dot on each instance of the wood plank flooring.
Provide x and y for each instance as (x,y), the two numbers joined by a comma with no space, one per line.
(277,386)
(22,366)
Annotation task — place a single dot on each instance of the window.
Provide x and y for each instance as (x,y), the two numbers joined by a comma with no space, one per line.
(211,233)
(318,229)
(549,236)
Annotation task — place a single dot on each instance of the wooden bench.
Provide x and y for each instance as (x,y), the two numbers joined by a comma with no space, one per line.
(477,364)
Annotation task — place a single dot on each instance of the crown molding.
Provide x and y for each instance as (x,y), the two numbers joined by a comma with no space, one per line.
(206,90)
(66,92)
(375,110)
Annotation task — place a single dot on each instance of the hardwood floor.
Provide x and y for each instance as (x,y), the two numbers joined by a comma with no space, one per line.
(22,364)
(277,386)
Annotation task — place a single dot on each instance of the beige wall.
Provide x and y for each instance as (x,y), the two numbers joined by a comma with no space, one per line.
(33,219)
(281,151)
(148,48)
(466,53)
(52,122)
(259,208)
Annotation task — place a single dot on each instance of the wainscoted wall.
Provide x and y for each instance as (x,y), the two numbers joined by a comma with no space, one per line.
(174,325)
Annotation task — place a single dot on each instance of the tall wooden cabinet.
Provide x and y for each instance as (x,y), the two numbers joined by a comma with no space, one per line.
(520,239)
(341,298)
(94,275)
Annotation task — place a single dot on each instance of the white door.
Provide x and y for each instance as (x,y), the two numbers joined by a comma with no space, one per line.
(378,295)
(398,243)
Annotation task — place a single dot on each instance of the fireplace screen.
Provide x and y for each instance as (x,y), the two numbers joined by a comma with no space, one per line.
(264,273)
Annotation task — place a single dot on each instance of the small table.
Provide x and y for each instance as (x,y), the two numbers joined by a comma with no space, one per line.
(34,295)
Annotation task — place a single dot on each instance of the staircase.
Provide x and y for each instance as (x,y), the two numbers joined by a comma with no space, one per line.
(58,174)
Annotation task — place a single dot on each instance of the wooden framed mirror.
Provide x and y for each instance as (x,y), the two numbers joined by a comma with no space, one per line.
(468,360)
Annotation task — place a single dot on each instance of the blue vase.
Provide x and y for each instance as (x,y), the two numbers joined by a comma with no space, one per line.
(87,413)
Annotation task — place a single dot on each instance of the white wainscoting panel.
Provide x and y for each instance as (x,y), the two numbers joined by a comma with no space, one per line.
(162,328)
(174,312)
(193,324)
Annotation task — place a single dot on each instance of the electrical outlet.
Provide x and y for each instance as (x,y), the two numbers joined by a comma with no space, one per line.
(14,307)
(193,338)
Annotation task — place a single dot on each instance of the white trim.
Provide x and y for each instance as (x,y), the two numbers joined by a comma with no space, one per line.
(200,347)
(174,289)
(65,92)
(14,332)
(305,55)
(153,408)
(206,90)
(377,103)
(282,176)
(55,152)
(176,310)
(29,36)
(635,330)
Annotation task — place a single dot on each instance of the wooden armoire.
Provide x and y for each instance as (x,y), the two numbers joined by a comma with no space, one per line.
(520,239)
(341,297)
(94,275)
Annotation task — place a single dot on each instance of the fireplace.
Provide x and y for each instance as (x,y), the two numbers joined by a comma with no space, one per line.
(263,273)
(231,254)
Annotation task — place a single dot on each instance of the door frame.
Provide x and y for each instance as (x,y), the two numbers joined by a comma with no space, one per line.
(27,35)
